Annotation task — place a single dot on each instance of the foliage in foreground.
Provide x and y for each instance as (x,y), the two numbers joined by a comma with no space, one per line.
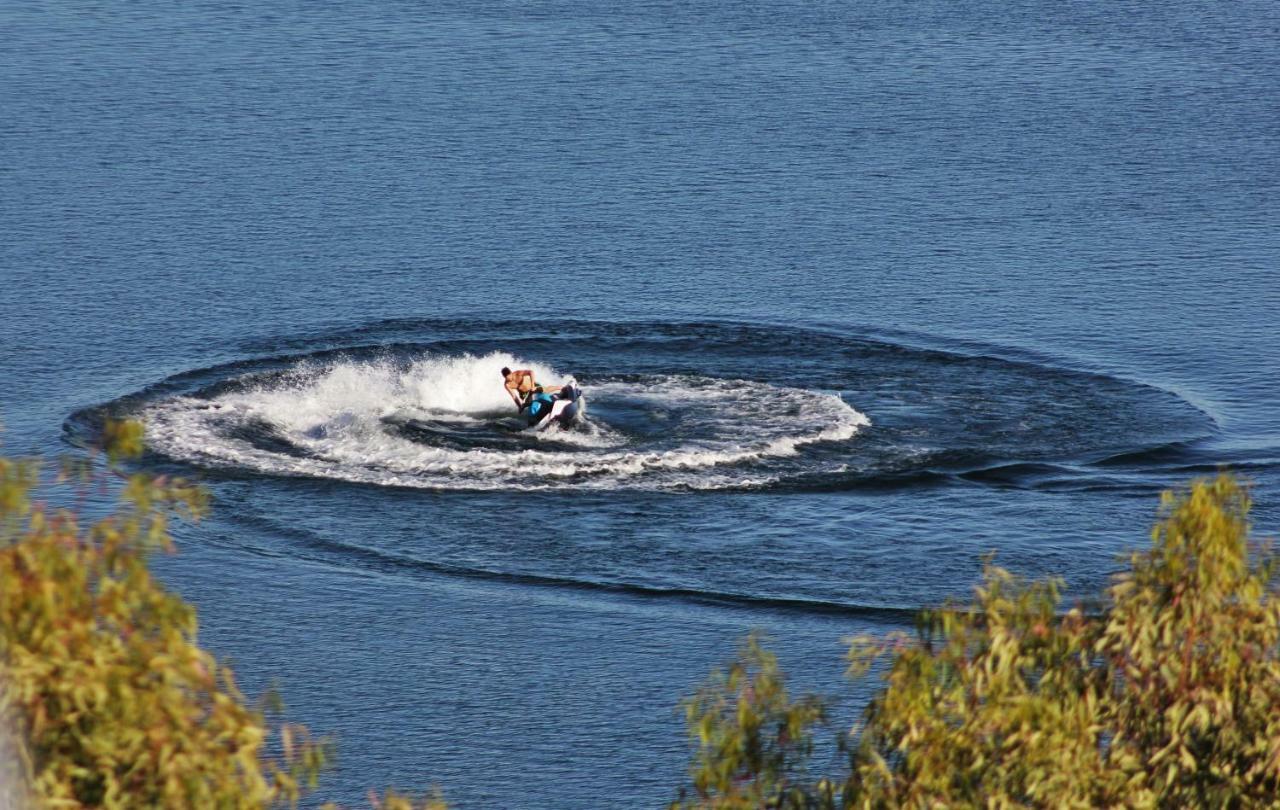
(106,699)
(1166,695)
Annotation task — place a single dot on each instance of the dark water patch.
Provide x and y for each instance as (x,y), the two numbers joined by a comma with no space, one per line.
(307,545)
(263,435)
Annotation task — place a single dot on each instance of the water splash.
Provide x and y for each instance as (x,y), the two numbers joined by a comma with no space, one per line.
(445,422)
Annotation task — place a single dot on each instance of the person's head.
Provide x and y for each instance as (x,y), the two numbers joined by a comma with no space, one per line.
(506,372)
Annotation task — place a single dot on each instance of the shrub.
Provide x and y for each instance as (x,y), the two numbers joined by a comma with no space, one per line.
(100,673)
(106,699)
(1166,694)
(753,738)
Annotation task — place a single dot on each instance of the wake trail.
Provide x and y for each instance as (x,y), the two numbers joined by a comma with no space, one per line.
(445,422)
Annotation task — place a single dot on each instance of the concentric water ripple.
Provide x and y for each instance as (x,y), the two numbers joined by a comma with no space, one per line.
(669,407)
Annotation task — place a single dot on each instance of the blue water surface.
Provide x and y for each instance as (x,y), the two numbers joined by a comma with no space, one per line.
(1034,244)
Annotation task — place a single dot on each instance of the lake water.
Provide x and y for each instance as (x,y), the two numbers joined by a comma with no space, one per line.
(857,293)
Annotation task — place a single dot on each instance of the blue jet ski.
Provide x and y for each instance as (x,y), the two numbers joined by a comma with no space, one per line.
(562,408)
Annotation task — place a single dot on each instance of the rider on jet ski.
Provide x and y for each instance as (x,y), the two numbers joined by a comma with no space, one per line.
(522,387)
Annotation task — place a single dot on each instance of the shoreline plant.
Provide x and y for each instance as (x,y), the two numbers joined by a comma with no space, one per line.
(105,694)
(1165,694)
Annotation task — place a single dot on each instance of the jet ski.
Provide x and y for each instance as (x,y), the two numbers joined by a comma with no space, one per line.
(562,408)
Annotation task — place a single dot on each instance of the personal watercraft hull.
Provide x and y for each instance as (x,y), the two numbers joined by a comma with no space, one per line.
(562,408)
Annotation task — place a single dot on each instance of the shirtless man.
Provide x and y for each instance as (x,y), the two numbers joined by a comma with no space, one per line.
(521,386)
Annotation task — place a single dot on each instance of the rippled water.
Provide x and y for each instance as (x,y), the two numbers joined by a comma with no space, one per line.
(856,296)
(432,413)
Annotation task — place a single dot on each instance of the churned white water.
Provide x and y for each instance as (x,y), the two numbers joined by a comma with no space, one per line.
(446,422)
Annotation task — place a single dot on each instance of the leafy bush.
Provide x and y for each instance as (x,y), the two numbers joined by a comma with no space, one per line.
(1165,694)
(109,699)
(753,738)
(100,672)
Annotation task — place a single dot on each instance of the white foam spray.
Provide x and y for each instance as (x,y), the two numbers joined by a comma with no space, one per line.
(336,419)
